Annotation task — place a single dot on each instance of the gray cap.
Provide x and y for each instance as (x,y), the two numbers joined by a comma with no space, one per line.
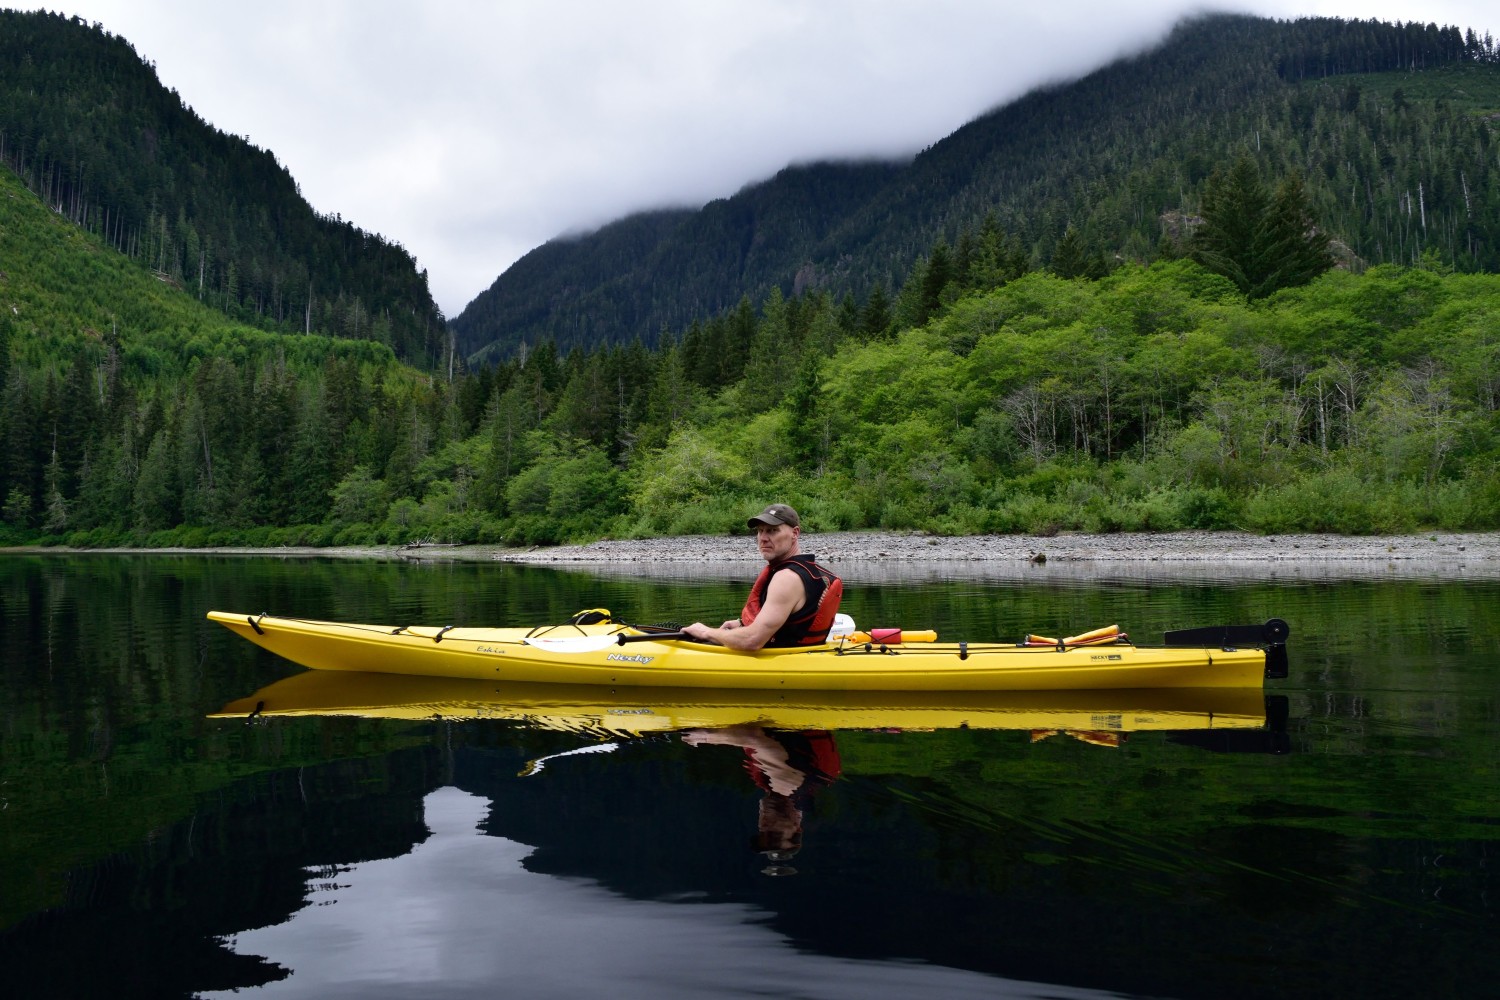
(777,513)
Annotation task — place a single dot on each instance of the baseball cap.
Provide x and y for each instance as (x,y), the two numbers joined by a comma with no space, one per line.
(777,513)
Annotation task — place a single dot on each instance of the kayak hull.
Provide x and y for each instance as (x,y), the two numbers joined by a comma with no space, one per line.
(624,711)
(590,654)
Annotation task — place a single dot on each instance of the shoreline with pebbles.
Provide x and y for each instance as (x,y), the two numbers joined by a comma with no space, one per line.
(876,555)
(1182,555)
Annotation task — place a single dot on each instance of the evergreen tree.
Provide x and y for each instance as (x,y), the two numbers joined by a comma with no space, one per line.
(772,364)
(1261,242)
(671,398)
(22,459)
(1234,209)
(155,501)
(939,273)
(1074,258)
(54,505)
(875,318)
(698,355)
(5,414)
(588,407)
(805,426)
(824,332)
(1292,249)
(734,348)
(849,315)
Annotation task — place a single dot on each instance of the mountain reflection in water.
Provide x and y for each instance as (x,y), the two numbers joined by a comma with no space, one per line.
(1334,840)
(461,913)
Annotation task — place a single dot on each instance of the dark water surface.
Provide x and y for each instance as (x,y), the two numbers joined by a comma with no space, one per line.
(1345,847)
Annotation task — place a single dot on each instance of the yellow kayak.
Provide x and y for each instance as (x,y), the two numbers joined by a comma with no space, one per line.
(603,711)
(609,654)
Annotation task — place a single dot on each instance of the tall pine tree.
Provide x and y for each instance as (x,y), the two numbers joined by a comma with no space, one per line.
(1262,242)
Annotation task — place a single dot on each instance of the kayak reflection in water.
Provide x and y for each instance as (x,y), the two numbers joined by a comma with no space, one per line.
(790,768)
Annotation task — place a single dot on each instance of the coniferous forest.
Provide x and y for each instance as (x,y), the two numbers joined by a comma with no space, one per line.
(1262,342)
(1390,127)
(87,125)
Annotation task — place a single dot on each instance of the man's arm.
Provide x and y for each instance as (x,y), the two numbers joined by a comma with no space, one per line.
(784,597)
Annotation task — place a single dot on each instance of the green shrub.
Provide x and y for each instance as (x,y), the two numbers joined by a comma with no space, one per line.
(532,529)
(490,532)
(1469,504)
(830,512)
(723,515)
(1025,513)
(355,535)
(1336,501)
(960,520)
(98,538)
(1202,508)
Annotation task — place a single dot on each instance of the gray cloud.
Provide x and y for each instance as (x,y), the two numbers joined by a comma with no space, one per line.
(472,132)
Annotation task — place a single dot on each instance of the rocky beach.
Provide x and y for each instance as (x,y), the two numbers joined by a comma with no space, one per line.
(1179,555)
(877,555)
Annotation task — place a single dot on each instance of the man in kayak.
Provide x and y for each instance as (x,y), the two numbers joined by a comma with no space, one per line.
(792,602)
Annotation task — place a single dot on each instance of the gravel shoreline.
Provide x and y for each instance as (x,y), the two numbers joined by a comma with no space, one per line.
(1179,554)
(916,555)
(1187,546)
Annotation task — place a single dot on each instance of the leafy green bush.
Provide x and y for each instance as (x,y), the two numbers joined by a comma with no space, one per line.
(723,515)
(1337,501)
(356,535)
(685,475)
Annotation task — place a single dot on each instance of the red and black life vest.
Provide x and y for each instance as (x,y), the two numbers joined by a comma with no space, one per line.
(811,751)
(808,625)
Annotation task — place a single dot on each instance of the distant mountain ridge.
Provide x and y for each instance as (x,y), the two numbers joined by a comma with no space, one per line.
(86,123)
(1107,154)
(601,288)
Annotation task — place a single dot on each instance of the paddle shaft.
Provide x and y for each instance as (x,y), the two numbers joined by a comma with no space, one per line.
(653,637)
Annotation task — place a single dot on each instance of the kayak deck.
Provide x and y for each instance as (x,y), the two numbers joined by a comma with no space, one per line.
(594,654)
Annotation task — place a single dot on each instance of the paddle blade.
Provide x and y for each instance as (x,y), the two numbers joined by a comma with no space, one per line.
(572,643)
(1272,633)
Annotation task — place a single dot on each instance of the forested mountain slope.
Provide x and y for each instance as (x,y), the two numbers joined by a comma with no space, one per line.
(1391,126)
(1209,388)
(1156,398)
(86,123)
(126,405)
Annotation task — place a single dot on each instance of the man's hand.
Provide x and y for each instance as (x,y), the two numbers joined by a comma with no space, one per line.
(784,597)
(700,631)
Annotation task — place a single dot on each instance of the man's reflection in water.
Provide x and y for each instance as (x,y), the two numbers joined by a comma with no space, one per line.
(790,767)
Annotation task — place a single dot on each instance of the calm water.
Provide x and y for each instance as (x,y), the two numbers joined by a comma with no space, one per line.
(1346,847)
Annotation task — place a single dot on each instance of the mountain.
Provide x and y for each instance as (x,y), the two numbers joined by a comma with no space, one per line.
(88,126)
(1391,127)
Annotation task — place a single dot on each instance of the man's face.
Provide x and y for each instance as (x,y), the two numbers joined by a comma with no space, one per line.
(776,541)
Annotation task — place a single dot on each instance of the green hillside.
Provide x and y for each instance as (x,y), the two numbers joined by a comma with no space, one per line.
(86,124)
(128,404)
(1234,381)
(1391,127)
(1156,398)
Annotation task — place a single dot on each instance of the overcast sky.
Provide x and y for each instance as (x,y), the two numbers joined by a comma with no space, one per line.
(471,132)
